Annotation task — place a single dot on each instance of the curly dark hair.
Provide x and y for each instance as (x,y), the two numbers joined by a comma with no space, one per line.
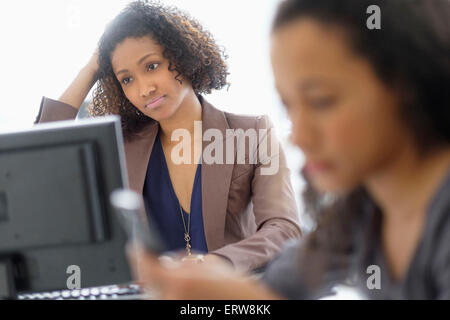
(410,54)
(191,51)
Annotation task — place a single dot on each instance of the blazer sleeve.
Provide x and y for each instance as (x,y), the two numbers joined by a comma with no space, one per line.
(274,208)
(53,110)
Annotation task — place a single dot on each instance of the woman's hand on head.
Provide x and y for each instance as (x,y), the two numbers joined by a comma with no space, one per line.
(93,64)
(175,280)
(77,91)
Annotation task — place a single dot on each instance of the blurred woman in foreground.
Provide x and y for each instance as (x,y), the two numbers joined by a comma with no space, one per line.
(370,110)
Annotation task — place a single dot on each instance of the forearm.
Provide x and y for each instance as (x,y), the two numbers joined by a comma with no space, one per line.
(77,91)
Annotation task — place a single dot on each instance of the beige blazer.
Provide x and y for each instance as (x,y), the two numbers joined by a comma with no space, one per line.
(247,216)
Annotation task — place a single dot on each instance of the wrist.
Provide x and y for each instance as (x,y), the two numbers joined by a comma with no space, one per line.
(90,72)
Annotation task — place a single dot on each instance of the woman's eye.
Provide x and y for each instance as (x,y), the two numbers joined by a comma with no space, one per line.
(126,81)
(322,102)
(152,66)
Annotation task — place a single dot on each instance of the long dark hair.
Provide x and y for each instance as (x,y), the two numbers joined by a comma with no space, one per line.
(410,54)
(191,51)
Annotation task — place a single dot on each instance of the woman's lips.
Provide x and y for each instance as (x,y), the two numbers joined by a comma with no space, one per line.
(155,102)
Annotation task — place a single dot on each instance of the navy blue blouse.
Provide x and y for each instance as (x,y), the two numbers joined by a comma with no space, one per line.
(160,197)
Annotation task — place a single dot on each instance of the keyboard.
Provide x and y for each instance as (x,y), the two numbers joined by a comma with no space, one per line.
(112,292)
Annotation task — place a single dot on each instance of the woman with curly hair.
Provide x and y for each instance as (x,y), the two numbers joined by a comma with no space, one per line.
(153,65)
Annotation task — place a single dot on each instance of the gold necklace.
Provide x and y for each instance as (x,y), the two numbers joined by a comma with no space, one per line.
(187,237)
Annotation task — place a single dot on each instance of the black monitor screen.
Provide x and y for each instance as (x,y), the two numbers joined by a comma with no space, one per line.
(55,182)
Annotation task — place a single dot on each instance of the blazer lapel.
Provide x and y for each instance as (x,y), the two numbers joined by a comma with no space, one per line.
(138,151)
(216,179)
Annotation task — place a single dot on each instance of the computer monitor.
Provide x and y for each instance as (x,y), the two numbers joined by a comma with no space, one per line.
(55,215)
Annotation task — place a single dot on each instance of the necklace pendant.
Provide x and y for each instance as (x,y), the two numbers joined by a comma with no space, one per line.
(188,249)
(187,238)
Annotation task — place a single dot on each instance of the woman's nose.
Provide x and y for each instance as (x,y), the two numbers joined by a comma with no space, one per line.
(146,89)
(303,132)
